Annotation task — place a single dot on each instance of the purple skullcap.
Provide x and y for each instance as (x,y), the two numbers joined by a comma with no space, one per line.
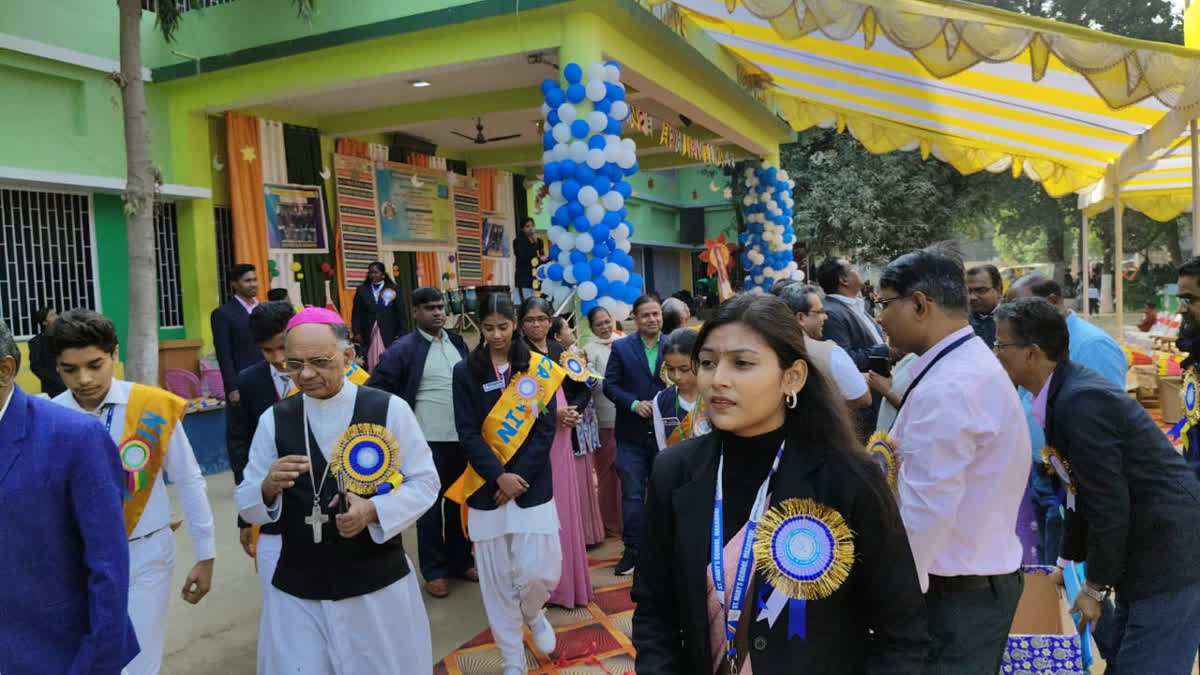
(315,315)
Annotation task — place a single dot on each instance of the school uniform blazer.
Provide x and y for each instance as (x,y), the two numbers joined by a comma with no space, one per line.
(628,378)
(366,312)
(401,367)
(235,346)
(874,623)
(531,461)
(64,557)
(1137,503)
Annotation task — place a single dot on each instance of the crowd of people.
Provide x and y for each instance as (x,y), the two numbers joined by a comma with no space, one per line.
(999,433)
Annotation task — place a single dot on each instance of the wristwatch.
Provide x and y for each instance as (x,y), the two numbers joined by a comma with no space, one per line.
(1097,595)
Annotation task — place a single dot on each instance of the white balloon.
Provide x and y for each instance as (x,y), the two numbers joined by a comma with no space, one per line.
(628,145)
(545,109)
(596,72)
(613,201)
(596,90)
(764,198)
(798,275)
(595,158)
(748,200)
(620,312)
(567,113)
(612,271)
(588,195)
(577,151)
(620,232)
(619,111)
(612,74)
(587,291)
(611,140)
(750,182)
(547,157)
(584,242)
(566,242)
(594,213)
(612,152)
(560,151)
(782,175)
(555,232)
(624,245)
(597,121)
(624,273)
(627,159)
(561,132)
(765,165)
(569,275)
(564,258)
(556,189)
(549,285)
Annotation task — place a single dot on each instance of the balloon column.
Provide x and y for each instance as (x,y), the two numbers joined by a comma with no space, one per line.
(769,237)
(585,164)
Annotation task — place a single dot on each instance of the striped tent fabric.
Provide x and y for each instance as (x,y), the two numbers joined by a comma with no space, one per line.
(982,89)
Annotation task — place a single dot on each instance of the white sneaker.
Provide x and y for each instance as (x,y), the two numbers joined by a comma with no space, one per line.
(543,634)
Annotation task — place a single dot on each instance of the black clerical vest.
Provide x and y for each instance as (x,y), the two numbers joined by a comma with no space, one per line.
(336,568)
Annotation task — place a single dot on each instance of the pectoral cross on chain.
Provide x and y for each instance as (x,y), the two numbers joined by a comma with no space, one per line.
(317,520)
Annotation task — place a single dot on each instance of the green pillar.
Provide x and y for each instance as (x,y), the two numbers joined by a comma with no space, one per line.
(191,154)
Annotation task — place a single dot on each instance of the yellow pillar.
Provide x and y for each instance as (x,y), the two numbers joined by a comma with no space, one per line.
(191,154)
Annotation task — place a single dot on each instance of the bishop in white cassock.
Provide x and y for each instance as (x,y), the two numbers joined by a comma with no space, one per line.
(344,597)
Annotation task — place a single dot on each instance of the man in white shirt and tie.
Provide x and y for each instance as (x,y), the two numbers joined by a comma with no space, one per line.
(146,424)
(965,459)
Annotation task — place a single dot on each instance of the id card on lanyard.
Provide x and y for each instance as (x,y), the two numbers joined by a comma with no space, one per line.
(745,564)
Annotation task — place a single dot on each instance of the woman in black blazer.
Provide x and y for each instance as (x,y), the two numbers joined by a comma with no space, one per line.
(831,534)
(378,310)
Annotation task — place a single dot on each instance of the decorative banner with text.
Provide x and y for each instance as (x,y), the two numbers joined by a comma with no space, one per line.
(414,204)
(358,221)
(670,137)
(295,219)
(467,229)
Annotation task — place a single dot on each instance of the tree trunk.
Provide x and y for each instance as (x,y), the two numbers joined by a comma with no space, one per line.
(141,352)
(1173,248)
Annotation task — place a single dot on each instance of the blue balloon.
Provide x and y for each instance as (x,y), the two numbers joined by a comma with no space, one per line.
(562,216)
(554,252)
(772,173)
(573,72)
(611,219)
(547,85)
(588,305)
(623,213)
(613,128)
(603,105)
(580,129)
(611,243)
(582,272)
(576,93)
(555,97)
(578,256)
(581,223)
(613,171)
(743,238)
(552,120)
(555,272)
(631,294)
(617,290)
(574,209)
(631,229)
(635,281)
(596,264)
(541,271)
(599,232)
(550,171)
(601,285)
(626,260)
(614,64)
(614,92)
(570,188)
(624,188)
(548,141)
(585,174)
(600,251)
(602,183)
(566,169)
(632,170)
(596,142)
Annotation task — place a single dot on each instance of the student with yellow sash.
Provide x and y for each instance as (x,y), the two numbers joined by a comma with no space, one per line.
(505,413)
(146,423)
(679,412)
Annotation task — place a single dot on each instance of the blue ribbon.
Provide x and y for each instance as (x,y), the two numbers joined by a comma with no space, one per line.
(797,618)
(1177,430)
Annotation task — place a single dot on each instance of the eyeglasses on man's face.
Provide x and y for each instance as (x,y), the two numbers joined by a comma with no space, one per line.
(317,363)
(882,303)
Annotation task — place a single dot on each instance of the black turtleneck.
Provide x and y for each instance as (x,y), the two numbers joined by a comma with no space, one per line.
(747,462)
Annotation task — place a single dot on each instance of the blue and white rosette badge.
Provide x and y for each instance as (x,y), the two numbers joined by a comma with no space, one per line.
(367,458)
(804,551)
(578,370)
(387,296)
(1189,394)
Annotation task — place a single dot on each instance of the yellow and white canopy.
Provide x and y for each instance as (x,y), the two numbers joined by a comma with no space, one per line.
(980,88)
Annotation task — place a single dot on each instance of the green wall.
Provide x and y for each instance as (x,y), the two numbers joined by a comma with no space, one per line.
(113,254)
(64,118)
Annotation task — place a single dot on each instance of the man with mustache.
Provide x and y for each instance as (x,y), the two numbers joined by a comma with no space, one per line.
(1189,341)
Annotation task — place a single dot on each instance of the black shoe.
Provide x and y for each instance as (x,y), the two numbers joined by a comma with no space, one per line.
(627,564)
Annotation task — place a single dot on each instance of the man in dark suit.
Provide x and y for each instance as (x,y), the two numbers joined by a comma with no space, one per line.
(64,556)
(235,348)
(848,324)
(419,368)
(630,381)
(377,303)
(984,291)
(1132,505)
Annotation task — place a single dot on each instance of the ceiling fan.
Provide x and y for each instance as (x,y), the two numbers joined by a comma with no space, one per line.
(479,138)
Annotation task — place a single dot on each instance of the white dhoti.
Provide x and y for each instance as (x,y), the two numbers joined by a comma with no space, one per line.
(517,570)
(384,632)
(151,564)
(266,557)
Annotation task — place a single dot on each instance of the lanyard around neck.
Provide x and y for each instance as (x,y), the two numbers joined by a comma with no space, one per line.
(745,565)
(920,376)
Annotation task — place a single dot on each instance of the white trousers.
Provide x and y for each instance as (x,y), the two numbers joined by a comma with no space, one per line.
(151,564)
(266,556)
(516,574)
(385,632)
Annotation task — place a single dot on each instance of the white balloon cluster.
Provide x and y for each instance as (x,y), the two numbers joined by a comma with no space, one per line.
(769,236)
(585,164)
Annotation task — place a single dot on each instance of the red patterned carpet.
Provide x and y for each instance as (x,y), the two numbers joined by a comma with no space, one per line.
(592,640)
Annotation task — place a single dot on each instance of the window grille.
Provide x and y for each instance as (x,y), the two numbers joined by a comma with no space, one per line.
(170,290)
(223,218)
(46,255)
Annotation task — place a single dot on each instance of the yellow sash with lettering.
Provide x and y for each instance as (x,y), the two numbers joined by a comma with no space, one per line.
(150,418)
(509,422)
(688,425)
